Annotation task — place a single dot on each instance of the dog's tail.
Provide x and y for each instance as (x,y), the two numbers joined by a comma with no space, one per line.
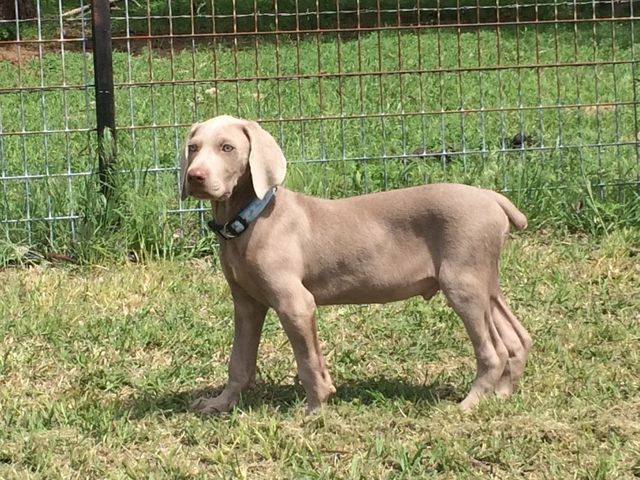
(516,217)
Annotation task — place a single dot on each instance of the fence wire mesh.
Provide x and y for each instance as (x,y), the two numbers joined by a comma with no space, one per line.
(362,96)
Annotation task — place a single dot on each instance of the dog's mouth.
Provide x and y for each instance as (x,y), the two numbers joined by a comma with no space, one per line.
(217,196)
(221,198)
(205,194)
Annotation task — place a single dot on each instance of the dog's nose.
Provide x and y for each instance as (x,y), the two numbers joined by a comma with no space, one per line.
(195,177)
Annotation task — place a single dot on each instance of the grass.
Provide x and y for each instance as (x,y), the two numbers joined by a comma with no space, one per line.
(583,179)
(99,363)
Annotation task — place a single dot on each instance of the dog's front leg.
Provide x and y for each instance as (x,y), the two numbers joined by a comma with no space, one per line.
(297,312)
(249,318)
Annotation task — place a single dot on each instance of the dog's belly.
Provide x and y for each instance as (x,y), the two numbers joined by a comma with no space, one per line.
(374,282)
(370,293)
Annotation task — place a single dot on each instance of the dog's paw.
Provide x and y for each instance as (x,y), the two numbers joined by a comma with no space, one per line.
(315,408)
(470,402)
(504,388)
(211,406)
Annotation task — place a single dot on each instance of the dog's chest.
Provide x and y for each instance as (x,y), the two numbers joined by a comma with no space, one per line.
(240,271)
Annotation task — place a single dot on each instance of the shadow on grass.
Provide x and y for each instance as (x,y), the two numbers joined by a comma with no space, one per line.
(284,398)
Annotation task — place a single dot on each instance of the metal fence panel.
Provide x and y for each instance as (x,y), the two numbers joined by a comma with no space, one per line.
(362,96)
(46,124)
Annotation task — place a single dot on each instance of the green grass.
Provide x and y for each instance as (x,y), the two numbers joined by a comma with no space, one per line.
(98,364)
(334,157)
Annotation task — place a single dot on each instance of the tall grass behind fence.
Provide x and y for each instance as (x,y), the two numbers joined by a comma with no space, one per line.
(362,97)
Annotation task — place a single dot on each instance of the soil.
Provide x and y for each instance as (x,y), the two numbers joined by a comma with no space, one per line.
(9,53)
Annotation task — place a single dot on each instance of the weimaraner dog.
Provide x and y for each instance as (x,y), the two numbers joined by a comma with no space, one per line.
(287,251)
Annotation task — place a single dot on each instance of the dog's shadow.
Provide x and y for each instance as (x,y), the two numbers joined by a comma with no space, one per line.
(284,398)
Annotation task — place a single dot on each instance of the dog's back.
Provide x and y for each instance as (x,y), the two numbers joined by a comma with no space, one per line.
(389,246)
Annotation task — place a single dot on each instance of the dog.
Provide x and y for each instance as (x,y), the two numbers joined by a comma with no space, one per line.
(291,252)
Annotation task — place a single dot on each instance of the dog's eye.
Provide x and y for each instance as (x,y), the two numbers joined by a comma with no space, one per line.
(193,148)
(227,148)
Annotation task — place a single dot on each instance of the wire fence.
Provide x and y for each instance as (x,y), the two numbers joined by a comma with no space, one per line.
(362,96)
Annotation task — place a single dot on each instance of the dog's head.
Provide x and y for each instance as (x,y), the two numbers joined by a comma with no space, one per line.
(224,152)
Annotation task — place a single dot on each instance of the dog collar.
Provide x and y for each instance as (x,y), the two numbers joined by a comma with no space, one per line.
(239,224)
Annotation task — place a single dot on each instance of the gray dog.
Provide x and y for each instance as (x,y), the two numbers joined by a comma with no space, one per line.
(290,252)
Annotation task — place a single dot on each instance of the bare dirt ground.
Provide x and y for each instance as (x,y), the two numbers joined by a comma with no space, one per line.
(12,54)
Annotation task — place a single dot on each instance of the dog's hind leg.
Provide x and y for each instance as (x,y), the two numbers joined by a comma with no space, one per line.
(469,298)
(518,343)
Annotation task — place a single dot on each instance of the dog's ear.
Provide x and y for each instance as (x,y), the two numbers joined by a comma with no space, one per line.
(184,162)
(266,160)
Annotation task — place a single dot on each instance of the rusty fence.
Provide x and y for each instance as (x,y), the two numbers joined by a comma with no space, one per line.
(521,96)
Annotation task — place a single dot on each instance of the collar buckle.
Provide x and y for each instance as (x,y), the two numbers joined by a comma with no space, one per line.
(239,224)
(230,229)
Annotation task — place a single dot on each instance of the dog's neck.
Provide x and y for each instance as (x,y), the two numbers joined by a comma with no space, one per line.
(228,209)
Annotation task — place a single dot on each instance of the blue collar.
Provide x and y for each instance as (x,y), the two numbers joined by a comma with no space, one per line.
(239,224)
